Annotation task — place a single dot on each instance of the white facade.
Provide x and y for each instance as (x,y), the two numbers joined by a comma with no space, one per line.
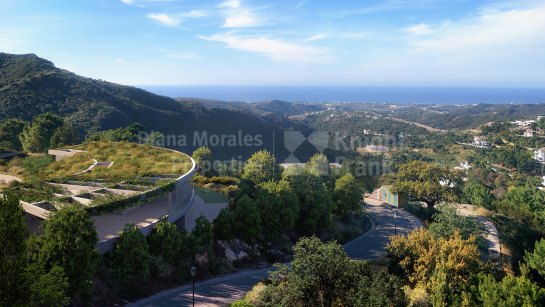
(463,166)
(480,141)
(539,155)
(523,123)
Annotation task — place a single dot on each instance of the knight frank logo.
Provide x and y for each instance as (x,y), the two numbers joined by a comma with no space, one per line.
(294,139)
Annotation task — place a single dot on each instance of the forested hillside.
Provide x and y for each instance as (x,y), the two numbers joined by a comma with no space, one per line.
(30,86)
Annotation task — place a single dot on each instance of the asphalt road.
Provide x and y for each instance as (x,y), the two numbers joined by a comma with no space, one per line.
(213,292)
(372,245)
(223,290)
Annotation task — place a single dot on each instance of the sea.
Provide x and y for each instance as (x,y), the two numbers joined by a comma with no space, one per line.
(383,94)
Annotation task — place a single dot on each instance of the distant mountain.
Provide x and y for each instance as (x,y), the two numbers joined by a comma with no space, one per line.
(287,108)
(30,85)
(465,116)
(220,104)
(278,107)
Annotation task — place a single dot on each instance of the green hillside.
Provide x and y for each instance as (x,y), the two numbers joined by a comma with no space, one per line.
(30,86)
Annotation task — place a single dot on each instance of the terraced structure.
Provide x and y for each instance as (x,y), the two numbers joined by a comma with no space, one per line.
(117,183)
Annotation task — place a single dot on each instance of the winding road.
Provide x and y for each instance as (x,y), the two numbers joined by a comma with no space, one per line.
(372,245)
(223,290)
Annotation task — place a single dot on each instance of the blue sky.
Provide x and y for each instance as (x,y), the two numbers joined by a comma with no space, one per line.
(285,42)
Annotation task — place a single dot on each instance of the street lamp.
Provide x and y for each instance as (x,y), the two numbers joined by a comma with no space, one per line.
(395,221)
(193,271)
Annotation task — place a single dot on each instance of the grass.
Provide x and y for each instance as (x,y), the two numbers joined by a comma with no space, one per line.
(12,167)
(210,197)
(130,160)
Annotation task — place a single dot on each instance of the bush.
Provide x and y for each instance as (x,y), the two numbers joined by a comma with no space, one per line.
(131,259)
(224,180)
(159,267)
(33,165)
(242,303)
(219,265)
(200,180)
(33,191)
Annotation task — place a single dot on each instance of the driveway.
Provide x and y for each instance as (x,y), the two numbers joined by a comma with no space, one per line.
(372,245)
(489,230)
(220,291)
(223,290)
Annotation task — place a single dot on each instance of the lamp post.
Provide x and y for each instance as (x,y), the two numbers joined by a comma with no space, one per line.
(193,274)
(395,221)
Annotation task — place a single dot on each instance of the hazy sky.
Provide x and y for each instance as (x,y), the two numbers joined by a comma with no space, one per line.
(306,42)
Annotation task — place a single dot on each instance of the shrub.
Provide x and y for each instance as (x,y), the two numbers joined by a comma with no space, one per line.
(131,259)
(200,180)
(224,180)
(113,203)
(242,303)
(33,165)
(33,191)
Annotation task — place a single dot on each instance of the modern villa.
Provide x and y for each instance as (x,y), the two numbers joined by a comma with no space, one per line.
(480,141)
(155,184)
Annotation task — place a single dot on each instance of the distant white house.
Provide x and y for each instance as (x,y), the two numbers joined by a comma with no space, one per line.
(528,133)
(523,123)
(448,183)
(480,141)
(539,154)
(464,166)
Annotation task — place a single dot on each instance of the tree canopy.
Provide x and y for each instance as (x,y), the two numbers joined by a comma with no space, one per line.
(10,129)
(13,233)
(25,281)
(315,202)
(347,195)
(261,167)
(36,137)
(279,208)
(442,267)
(69,242)
(203,158)
(536,259)
(427,182)
(321,274)
(131,257)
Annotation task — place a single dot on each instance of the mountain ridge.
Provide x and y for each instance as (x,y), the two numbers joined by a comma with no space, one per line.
(30,85)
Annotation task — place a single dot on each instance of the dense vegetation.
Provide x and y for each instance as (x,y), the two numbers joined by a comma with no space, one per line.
(321,274)
(270,209)
(271,206)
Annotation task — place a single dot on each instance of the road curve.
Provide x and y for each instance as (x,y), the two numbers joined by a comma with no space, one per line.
(372,245)
(223,290)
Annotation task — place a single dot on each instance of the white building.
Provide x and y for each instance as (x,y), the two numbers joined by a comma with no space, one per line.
(464,166)
(480,141)
(539,154)
(528,133)
(523,123)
